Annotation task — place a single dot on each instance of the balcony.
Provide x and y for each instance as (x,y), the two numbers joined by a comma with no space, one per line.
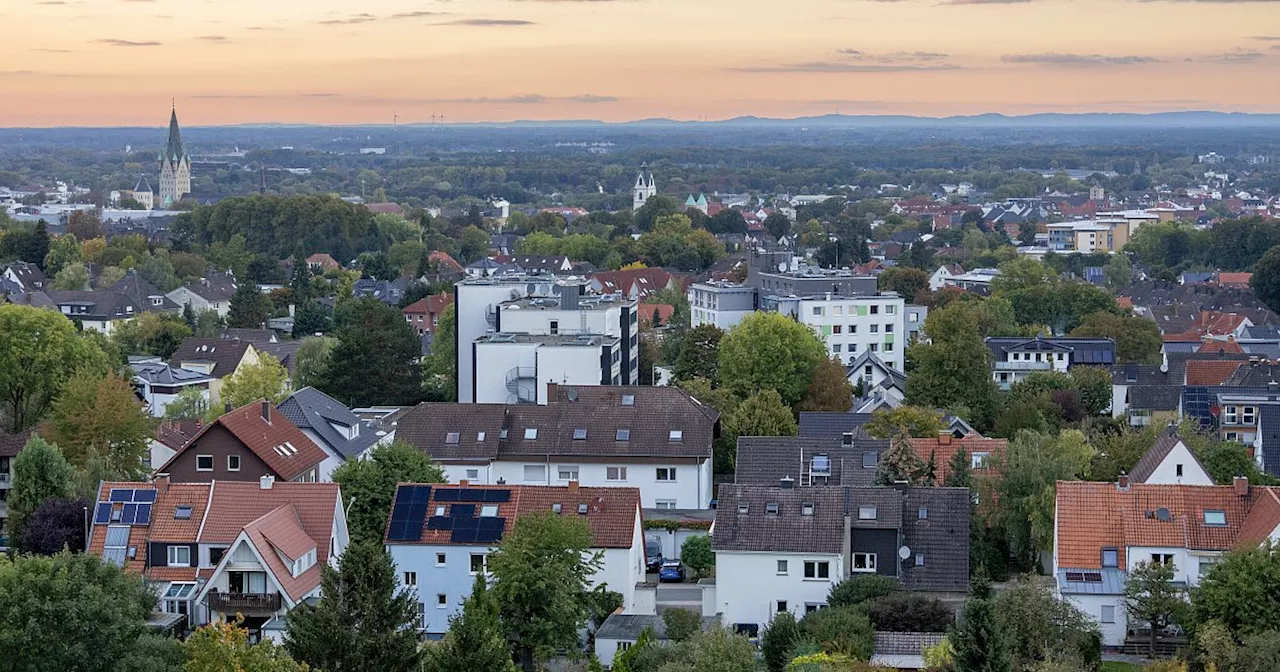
(1023,366)
(243,603)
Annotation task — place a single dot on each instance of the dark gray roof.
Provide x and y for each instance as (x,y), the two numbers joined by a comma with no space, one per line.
(214,286)
(1155,397)
(628,627)
(897,378)
(12,444)
(1254,374)
(282,351)
(101,305)
(1146,465)
(254,336)
(163,374)
(144,295)
(28,274)
(1265,331)
(312,409)
(905,643)
(828,425)
(1269,423)
(1083,350)
(225,355)
(766,460)
(1138,374)
(942,537)
(655,412)
(786,532)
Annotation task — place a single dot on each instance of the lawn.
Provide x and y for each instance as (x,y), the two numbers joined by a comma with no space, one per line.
(1119,667)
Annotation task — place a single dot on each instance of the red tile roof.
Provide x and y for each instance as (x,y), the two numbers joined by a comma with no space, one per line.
(645,312)
(612,513)
(1216,346)
(944,447)
(280,532)
(1209,372)
(274,439)
(1188,337)
(441,257)
(1237,279)
(325,261)
(429,305)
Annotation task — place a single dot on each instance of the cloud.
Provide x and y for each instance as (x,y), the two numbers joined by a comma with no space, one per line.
(1267,38)
(114,42)
(1237,56)
(46,50)
(486,23)
(590,98)
(1214,2)
(517,99)
(415,15)
(985,2)
(220,39)
(1052,58)
(358,18)
(894,57)
(264,28)
(365,17)
(828,67)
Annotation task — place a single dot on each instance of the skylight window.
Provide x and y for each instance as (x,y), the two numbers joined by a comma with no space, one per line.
(771,509)
(628,400)
(867,513)
(1215,517)
(580,434)
(452,437)
(676,435)
(622,435)
(530,433)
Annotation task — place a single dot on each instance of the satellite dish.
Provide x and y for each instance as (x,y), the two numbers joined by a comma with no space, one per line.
(782,267)
(904,552)
(1162,514)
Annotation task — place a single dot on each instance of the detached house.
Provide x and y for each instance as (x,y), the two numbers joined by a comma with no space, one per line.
(1013,359)
(441,536)
(216,550)
(655,438)
(96,311)
(333,427)
(10,446)
(214,357)
(791,545)
(247,444)
(424,314)
(213,292)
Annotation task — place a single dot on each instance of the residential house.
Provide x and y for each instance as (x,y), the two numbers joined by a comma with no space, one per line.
(441,536)
(1169,462)
(214,357)
(1014,358)
(876,385)
(640,284)
(655,313)
(830,425)
(321,262)
(1144,393)
(386,291)
(158,384)
(10,446)
(424,314)
(981,452)
(444,262)
(598,436)
(170,436)
(213,292)
(341,434)
(851,324)
(536,265)
(247,444)
(620,632)
(218,550)
(255,336)
(1102,530)
(144,295)
(789,461)
(791,545)
(100,311)
(24,276)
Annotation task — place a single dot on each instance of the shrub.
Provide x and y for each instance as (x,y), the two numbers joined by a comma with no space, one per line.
(902,612)
(863,588)
(840,630)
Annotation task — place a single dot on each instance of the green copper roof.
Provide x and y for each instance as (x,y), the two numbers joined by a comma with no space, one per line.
(174,151)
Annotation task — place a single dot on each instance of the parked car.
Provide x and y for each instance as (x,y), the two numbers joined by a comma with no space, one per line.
(672,571)
(652,554)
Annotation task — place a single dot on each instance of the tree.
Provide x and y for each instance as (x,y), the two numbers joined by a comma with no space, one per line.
(681,624)
(953,369)
(977,638)
(220,647)
(762,414)
(475,642)
(268,379)
(958,470)
(100,417)
(312,318)
(23,244)
(1093,385)
(777,225)
(1031,465)
(249,307)
(1137,339)
(770,350)
(1039,627)
(624,660)
(830,389)
(907,282)
(363,621)
(841,630)
(919,422)
(85,225)
(156,334)
(542,571)
(779,640)
(40,473)
(191,403)
(73,277)
(699,353)
(907,612)
(63,250)
(56,524)
(440,366)
(373,337)
(861,588)
(1236,591)
(69,612)
(716,649)
(370,485)
(1265,281)
(696,553)
(1150,597)
(311,359)
(900,464)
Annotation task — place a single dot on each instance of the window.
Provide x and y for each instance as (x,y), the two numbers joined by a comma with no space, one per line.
(875,328)
(489,511)
(440,559)
(555,327)
(567,473)
(233,463)
(888,328)
(502,435)
(179,556)
(628,400)
(817,569)
(675,435)
(535,472)
(615,473)
(744,508)
(622,435)
(869,459)
(875,310)
(623,646)
(806,509)
(837,310)
(113,547)
(1215,517)
(810,607)
(580,434)
(411,579)
(1247,415)
(478,563)
(182,513)
(204,463)
(1229,415)
(923,513)
(421,621)
(874,347)
(835,347)
(837,329)
(480,437)
(864,562)
(1233,436)
(665,504)
(919,559)
(979,460)
(530,433)
(1110,557)
(1206,564)
(452,437)
(867,513)
(1108,614)
(473,474)
(1178,469)
(665,474)
(442,600)
(853,328)
(890,310)
(782,567)
(781,606)
(817,310)
(771,509)
(1162,558)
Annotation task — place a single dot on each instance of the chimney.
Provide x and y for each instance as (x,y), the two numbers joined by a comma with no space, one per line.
(553,392)
(463,483)
(162,483)
(266,411)
(944,438)
(266,481)
(1123,482)
(573,486)
(1241,485)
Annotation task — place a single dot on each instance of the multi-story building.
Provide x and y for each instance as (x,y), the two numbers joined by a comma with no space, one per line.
(851,324)
(248,443)
(158,384)
(516,333)
(10,446)
(341,434)
(424,314)
(440,538)
(1014,358)
(1085,237)
(214,357)
(720,303)
(657,439)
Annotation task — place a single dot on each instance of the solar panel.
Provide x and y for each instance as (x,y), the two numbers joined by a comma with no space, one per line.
(466,523)
(463,536)
(130,514)
(450,495)
(121,495)
(103,515)
(462,511)
(439,523)
(144,496)
(144,515)
(488,536)
(492,523)
(470,495)
(497,495)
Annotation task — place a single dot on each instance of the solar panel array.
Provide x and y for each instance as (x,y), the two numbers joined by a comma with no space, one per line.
(464,526)
(126,506)
(410,513)
(472,495)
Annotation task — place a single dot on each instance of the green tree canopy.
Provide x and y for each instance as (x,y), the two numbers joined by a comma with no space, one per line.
(952,369)
(1237,591)
(440,367)
(370,485)
(770,351)
(829,390)
(699,353)
(373,337)
(475,641)
(156,334)
(918,421)
(978,638)
(1137,339)
(1265,281)
(907,282)
(778,641)
(222,647)
(250,308)
(100,417)
(267,379)
(40,473)
(311,359)
(39,354)
(696,553)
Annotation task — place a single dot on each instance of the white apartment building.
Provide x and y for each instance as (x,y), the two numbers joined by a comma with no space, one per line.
(515,368)
(723,304)
(851,325)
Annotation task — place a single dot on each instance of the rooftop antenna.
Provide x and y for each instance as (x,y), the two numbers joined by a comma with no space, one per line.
(262,175)
(395,120)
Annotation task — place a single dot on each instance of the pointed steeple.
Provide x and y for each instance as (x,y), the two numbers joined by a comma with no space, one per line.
(174,150)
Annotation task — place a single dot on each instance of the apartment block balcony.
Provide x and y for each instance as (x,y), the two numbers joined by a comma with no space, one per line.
(244,603)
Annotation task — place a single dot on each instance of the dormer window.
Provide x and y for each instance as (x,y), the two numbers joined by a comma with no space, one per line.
(771,509)
(806,509)
(847,439)
(480,437)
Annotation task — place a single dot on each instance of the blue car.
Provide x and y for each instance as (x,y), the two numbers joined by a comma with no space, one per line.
(672,572)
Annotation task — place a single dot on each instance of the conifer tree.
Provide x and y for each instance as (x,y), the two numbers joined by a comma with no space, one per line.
(475,642)
(978,641)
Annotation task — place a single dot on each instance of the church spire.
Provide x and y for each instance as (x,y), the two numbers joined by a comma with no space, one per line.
(174,150)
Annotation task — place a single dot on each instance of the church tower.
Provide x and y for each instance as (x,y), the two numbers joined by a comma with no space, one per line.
(175,167)
(645,188)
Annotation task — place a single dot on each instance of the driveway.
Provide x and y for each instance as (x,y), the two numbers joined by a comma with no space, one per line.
(679,595)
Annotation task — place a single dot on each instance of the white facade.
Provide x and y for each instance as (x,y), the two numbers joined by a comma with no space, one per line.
(852,325)
(645,188)
(721,304)
(689,487)
(516,369)
(184,295)
(1022,363)
(1179,467)
(776,581)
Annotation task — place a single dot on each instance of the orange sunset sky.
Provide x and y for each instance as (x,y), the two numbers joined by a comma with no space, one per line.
(119,62)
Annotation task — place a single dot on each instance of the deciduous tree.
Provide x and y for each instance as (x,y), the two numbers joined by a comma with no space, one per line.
(919,422)
(779,640)
(375,360)
(907,282)
(900,464)
(100,417)
(681,624)
(475,641)
(72,277)
(370,485)
(696,553)
(699,353)
(1150,597)
(1265,281)
(1236,592)
(56,524)
(268,379)
(40,473)
(311,360)
(222,647)
(63,250)
(156,334)
(1137,339)
(191,404)
(770,351)
(440,366)
(830,389)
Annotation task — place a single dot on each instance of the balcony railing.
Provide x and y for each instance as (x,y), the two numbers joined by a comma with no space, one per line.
(1023,366)
(246,603)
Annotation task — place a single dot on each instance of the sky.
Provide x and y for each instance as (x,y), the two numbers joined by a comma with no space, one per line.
(121,62)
